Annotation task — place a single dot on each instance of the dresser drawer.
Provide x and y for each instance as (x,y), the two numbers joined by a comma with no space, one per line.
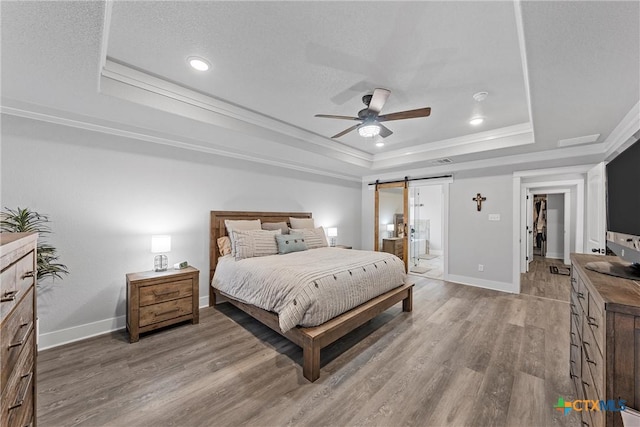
(25,274)
(17,403)
(156,313)
(576,314)
(593,359)
(594,418)
(582,294)
(14,334)
(595,322)
(155,294)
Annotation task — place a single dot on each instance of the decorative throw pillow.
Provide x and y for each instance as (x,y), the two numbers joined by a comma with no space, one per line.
(301,223)
(224,245)
(288,243)
(314,237)
(242,224)
(282,226)
(254,243)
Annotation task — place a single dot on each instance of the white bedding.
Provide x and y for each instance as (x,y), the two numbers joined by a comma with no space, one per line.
(310,287)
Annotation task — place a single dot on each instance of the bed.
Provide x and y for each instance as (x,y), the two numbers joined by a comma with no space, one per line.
(311,338)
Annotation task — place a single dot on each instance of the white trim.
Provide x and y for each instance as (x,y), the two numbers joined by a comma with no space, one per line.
(518,242)
(130,78)
(566,170)
(186,143)
(483,283)
(555,154)
(517,7)
(80,332)
(104,42)
(580,140)
(623,134)
(204,301)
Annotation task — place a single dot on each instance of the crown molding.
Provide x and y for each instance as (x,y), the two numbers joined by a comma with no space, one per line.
(189,103)
(506,137)
(539,156)
(624,134)
(94,125)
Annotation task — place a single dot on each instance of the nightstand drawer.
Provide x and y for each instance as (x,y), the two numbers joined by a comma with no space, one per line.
(155,294)
(164,311)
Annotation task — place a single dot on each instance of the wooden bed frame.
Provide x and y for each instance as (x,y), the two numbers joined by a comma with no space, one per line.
(310,339)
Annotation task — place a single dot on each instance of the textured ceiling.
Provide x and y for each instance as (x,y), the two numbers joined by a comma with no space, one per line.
(290,60)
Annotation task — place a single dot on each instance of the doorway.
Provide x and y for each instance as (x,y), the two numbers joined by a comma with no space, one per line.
(426,231)
(391,220)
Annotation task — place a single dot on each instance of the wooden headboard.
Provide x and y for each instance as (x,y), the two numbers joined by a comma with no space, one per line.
(217,228)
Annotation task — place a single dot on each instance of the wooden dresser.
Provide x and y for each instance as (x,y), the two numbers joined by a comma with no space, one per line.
(17,324)
(605,339)
(394,245)
(163,298)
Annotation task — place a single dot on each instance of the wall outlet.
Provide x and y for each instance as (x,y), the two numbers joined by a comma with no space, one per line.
(480,267)
(494,217)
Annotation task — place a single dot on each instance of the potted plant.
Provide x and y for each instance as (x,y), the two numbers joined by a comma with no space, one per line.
(28,221)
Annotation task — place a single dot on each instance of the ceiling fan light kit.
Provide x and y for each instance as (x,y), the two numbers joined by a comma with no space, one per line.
(475,121)
(369,130)
(371,119)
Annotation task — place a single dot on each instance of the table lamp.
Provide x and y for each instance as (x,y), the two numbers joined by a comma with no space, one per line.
(390,229)
(160,245)
(332,233)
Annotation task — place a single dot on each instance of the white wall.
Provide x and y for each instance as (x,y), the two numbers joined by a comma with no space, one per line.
(107,195)
(555,226)
(430,197)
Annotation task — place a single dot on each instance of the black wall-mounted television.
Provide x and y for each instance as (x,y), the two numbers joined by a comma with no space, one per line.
(623,209)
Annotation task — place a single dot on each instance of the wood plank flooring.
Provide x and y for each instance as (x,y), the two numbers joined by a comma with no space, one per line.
(464,357)
(541,283)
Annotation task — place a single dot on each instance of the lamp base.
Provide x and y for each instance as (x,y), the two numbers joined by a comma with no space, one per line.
(332,241)
(160,263)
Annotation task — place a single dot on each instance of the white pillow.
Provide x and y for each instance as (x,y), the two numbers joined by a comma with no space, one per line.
(301,223)
(254,243)
(242,224)
(313,237)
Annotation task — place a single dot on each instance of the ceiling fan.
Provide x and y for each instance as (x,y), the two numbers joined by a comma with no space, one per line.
(370,119)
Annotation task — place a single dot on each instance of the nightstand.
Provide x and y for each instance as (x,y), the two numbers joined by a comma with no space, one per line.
(156,299)
(343,246)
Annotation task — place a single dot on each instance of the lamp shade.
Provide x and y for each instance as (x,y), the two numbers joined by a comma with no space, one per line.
(160,244)
(332,232)
(390,227)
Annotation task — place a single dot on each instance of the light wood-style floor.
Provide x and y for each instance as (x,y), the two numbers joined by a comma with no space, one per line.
(541,283)
(464,356)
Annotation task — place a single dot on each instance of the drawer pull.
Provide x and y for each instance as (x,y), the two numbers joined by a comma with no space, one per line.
(575,345)
(18,343)
(586,353)
(573,376)
(585,383)
(163,294)
(28,274)
(166,312)
(9,296)
(591,321)
(20,400)
(580,295)
(585,423)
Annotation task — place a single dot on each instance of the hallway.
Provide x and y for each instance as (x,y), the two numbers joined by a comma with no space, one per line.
(540,282)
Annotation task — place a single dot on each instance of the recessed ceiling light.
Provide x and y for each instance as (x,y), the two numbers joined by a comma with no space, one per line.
(476,121)
(199,64)
(379,144)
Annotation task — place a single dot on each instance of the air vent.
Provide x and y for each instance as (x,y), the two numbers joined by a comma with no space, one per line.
(443,161)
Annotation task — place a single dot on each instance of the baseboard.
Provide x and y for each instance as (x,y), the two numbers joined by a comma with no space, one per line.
(81,332)
(483,283)
(554,255)
(88,330)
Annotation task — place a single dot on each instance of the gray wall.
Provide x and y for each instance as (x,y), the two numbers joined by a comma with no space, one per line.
(474,240)
(107,195)
(555,226)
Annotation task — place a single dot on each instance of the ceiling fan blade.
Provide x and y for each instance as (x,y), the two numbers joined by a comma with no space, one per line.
(378,100)
(409,114)
(384,131)
(331,116)
(346,131)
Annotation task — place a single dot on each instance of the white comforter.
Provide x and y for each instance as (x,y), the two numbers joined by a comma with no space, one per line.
(310,287)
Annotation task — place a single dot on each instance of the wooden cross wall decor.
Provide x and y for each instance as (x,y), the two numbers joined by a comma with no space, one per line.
(479,199)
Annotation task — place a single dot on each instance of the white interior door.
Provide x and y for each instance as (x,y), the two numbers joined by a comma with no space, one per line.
(596,210)
(529,229)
